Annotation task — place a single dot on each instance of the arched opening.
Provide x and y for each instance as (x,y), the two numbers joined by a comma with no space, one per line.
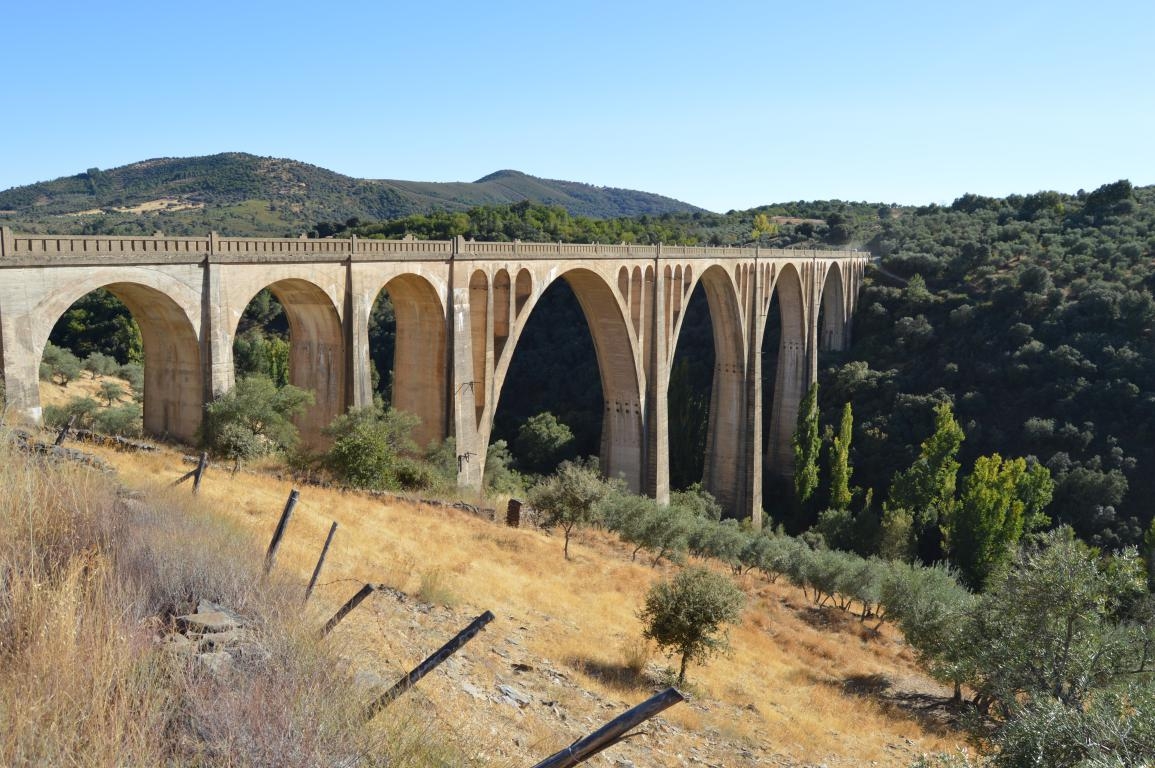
(712,328)
(783,384)
(315,349)
(407,351)
(552,368)
(725,462)
(688,392)
(140,354)
(832,312)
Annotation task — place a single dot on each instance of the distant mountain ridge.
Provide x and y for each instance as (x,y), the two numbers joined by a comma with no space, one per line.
(241,194)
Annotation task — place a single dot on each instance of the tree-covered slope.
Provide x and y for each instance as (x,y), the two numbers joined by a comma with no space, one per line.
(1034,314)
(241,194)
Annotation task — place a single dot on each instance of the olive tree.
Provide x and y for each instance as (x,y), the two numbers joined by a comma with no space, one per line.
(687,615)
(570,497)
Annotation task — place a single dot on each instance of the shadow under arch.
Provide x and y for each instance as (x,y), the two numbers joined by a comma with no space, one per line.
(790,372)
(724,464)
(832,320)
(173,376)
(622,440)
(317,356)
(419,355)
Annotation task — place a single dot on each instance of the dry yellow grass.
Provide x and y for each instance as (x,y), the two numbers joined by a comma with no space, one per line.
(781,693)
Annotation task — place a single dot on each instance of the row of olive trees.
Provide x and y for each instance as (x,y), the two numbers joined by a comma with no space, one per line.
(1055,653)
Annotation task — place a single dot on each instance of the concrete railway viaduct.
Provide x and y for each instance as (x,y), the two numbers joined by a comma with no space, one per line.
(460,308)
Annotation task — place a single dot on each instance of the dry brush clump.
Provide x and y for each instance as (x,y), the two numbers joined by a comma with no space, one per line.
(91,584)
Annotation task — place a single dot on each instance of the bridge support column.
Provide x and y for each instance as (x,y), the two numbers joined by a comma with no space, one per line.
(216,345)
(468,438)
(21,364)
(358,307)
(657,367)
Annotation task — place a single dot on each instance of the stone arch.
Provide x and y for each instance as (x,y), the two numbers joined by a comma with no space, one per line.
(173,375)
(790,379)
(317,352)
(501,311)
(523,290)
(832,325)
(419,355)
(724,464)
(606,315)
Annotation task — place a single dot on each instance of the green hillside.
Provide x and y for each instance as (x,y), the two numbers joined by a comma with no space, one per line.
(240,194)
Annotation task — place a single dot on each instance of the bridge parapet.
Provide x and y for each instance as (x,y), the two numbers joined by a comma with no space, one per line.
(50,250)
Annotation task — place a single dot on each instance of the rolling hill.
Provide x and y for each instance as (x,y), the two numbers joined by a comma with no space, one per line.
(241,194)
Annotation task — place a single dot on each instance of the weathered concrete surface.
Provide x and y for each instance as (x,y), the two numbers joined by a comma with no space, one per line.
(460,309)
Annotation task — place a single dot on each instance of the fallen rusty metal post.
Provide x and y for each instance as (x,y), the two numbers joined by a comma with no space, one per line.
(63,434)
(320,561)
(343,611)
(613,731)
(282,524)
(427,666)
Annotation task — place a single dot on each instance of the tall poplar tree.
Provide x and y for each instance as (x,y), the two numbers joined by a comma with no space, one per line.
(926,489)
(1000,501)
(840,469)
(807,444)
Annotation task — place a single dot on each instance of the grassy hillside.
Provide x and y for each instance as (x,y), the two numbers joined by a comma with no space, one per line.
(802,685)
(241,194)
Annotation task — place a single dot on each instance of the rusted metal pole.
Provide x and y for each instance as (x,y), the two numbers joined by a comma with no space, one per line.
(282,524)
(320,561)
(613,731)
(343,611)
(427,666)
(63,434)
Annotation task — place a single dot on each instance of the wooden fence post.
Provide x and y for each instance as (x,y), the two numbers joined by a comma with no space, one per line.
(343,611)
(63,434)
(427,666)
(202,465)
(278,534)
(320,561)
(613,731)
(195,474)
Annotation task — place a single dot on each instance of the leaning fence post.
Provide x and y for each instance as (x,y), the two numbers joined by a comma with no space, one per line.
(63,434)
(320,561)
(195,473)
(613,731)
(275,542)
(200,471)
(343,611)
(427,666)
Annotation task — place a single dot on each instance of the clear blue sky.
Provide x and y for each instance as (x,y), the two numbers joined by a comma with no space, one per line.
(725,104)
